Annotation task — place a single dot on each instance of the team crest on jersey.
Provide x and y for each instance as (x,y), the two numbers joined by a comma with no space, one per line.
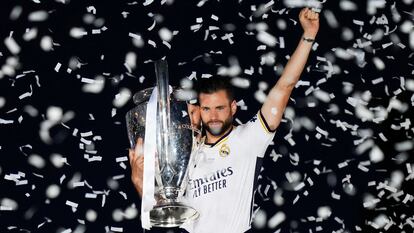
(224,150)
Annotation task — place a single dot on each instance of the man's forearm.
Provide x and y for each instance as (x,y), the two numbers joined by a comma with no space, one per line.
(138,186)
(297,61)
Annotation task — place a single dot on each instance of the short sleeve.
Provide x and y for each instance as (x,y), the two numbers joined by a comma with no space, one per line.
(256,135)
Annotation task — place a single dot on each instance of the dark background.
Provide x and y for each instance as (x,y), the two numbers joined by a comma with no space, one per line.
(310,146)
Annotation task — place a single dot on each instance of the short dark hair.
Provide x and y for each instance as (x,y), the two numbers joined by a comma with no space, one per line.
(215,84)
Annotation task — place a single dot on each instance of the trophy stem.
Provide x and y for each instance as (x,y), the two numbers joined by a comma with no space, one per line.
(161,72)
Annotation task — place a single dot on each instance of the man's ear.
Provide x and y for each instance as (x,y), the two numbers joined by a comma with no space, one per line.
(233,107)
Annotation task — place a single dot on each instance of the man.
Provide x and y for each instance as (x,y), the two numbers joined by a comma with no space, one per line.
(221,182)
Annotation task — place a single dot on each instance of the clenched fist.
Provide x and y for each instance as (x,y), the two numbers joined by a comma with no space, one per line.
(309,21)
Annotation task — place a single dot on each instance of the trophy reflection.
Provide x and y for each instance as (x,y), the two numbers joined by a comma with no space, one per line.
(175,141)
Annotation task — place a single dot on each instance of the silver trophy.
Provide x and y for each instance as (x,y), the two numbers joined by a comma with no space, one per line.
(175,142)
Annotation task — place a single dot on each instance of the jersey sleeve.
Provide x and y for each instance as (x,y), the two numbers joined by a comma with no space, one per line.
(257,135)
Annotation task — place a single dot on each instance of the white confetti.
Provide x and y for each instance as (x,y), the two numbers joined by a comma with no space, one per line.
(78,33)
(147,2)
(72,204)
(38,16)
(117,229)
(411,39)
(62,178)
(407,198)
(91,215)
(347,5)
(266,38)
(117,215)
(91,9)
(382,20)
(380,221)
(240,82)
(135,36)
(46,43)
(228,37)
(91,195)
(152,43)
(376,155)
(54,113)
(122,98)
(324,212)
(22,182)
(94,158)
(57,160)
(78,184)
(3,121)
(397,177)
(335,196)
(165,34)
(57,67)
(409,168)
(300,186)
(131,212)
(378,63)
(195,27)
(214,17)
(2,101)
(8,204)
(322,96)
(67,231)
(363,168)
(16,12)
(36,161)
(404,146)
(118,177)
(53,191)
(321,131)
(302,3)
(373,5)
(274,221)
(121,159)
(27,94)
(87,80)
(281,42)
(11,44)
(378,80)
(386,45)
(30,34)
(330,18)
(358,22)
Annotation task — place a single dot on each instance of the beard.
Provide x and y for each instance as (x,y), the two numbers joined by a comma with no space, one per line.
(219,129)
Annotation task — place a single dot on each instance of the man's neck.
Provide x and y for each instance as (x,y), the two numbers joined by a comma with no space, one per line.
(212,139)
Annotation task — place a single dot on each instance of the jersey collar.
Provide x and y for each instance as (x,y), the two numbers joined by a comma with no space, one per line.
(223,138)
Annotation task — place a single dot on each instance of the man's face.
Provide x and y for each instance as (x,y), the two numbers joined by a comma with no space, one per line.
(217,112)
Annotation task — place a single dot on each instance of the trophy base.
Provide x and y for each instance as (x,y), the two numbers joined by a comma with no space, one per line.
(171,215)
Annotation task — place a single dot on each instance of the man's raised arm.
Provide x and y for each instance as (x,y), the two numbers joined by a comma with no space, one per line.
(277,99)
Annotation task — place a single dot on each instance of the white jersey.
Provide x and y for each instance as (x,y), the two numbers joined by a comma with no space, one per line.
(221,184)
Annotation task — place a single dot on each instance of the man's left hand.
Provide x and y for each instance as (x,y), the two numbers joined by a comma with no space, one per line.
(310,22)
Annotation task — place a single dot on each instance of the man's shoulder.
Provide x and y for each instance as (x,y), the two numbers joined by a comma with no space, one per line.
(254,118)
